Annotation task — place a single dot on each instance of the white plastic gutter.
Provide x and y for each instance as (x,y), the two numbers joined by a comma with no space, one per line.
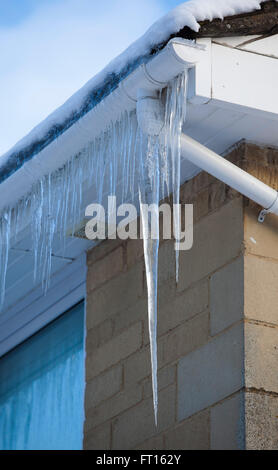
(231,175)
(139,90)
(151,77)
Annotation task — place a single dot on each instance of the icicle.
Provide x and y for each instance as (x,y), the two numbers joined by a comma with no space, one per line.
(5,233)
(37,213)
(54,203)
(48,237)
(174,118)
(114,135)
(127,151)
(149,194)
(133,167)
(163,155)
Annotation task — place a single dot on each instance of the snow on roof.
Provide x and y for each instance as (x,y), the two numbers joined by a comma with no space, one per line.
(187,14)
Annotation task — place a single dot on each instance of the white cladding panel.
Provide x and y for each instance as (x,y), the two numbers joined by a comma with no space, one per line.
(266,46)
(245,79)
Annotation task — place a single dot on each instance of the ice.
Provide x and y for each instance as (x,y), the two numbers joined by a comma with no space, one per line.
(149,195)
(118,158)
(175,115)
(162,153)
(55,204)
(5,234)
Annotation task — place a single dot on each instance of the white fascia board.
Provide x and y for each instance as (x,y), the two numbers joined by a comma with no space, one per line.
(245,80)
(232,78)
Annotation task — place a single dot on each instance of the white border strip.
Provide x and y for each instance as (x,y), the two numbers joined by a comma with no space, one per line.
(35,311)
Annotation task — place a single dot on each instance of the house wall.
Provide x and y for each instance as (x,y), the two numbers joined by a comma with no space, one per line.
(261,311)
(217,329)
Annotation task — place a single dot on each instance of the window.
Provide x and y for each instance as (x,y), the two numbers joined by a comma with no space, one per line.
(42,388)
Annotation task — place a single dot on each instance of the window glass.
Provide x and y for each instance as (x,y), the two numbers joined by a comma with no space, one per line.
(42,388)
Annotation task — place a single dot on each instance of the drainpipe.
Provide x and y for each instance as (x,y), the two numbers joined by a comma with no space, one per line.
(231,175)
(150,115)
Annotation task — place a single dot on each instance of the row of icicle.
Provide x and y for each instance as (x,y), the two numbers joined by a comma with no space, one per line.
(121,157)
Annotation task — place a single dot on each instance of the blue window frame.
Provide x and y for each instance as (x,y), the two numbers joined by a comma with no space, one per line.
(42,385)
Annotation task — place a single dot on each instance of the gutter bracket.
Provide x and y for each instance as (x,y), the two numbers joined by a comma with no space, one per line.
(262,216)
(271,209)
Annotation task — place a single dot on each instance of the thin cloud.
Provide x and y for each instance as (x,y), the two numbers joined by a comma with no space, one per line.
(49,56)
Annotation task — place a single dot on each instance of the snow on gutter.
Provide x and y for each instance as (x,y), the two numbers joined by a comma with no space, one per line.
(73,115)
(178,55)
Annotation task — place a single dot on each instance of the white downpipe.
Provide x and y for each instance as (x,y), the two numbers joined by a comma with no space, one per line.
(230,174)
(150,115)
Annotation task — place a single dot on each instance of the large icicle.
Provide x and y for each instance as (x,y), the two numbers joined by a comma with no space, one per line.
(149,196)
(5,233)
(162,157)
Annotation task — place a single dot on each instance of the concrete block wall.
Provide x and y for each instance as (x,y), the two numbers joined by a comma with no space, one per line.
(217,329)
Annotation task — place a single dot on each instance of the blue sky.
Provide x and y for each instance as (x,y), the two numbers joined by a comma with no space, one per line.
(50,48)
(13,12)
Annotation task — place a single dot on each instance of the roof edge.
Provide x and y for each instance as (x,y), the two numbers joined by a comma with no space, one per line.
(262,21)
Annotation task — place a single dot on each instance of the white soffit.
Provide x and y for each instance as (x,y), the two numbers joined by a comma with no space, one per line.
(245,79)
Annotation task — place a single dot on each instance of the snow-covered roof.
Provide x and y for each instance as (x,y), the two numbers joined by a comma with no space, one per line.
(188,14)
